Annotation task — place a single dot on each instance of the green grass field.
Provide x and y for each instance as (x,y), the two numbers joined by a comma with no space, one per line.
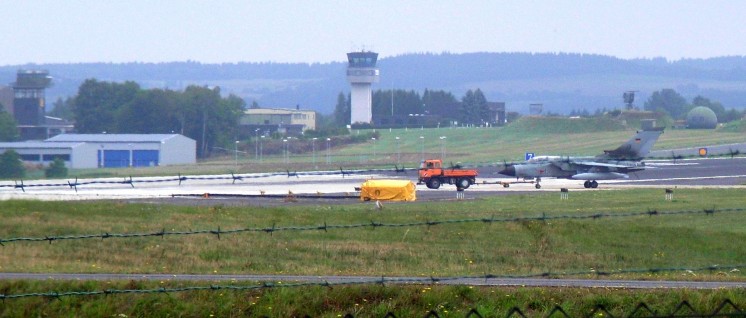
(449,249)
(525,247)
(467,145)
(359,301)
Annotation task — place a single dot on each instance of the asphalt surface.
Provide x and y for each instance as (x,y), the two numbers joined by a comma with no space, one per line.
(290,279)
(720,172)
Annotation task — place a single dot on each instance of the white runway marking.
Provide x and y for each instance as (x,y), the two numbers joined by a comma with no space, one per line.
(268,185)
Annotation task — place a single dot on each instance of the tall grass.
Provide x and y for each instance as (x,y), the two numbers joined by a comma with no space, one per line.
(525,247)
(359,301)
(474,248)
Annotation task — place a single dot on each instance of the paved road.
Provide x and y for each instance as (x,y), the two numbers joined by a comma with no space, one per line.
(287,279)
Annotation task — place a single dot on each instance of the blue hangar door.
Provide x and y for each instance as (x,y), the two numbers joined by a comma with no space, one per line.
(145,158)
(114,158)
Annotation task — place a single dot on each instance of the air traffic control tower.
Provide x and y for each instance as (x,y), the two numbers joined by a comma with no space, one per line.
(361,73)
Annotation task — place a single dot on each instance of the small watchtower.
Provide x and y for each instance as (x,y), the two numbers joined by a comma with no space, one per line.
(28,100)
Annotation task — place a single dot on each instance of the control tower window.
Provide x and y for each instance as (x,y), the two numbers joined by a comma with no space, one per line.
(362,59)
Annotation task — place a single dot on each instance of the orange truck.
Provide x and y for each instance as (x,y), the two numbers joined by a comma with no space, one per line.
(433,174)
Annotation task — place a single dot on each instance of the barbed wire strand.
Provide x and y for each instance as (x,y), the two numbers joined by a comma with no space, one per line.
(371,224)
(373,280)
(19,184)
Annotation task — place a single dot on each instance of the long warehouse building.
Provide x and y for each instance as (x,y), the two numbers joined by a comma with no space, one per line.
(82,151)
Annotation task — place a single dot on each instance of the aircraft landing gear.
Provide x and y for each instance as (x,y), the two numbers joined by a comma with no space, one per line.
(590,184)
(538,186)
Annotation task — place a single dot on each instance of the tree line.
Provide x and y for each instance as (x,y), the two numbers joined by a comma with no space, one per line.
(471,109)
(671,103)
(198,112)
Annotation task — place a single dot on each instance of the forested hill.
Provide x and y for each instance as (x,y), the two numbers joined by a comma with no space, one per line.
(562,82)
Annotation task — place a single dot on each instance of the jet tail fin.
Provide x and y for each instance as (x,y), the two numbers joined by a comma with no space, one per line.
(636,148)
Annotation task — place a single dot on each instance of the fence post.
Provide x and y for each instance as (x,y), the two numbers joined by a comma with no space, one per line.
(669,194)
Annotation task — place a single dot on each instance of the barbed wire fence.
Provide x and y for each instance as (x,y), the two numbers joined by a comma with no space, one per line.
(372,224)
(383,281)
(515,312)
(131,182)
(180,179)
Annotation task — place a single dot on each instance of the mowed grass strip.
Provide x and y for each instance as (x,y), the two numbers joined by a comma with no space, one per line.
(455,249)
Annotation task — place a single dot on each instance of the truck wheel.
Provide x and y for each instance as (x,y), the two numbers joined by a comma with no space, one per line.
(463,183)
(433,183)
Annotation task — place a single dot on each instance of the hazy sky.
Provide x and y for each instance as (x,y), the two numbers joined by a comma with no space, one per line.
(54,31)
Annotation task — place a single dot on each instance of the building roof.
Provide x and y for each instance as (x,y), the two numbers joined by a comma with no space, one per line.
(275,111)
(57,122)
(40,144)
(124,138)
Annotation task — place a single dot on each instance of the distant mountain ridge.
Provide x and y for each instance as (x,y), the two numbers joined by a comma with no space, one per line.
(562,81)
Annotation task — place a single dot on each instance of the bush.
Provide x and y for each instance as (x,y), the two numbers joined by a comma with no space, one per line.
(11,165)
(56,170)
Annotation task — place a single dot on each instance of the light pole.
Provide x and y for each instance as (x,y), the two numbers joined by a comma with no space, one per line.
(285,147)
(261,149)
(422,148)
(398,156)
(313,149)
(374,148)
(236,151)
(442,147)
(327,150)
(256,144)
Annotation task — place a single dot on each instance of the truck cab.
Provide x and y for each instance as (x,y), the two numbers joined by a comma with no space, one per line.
(430,167)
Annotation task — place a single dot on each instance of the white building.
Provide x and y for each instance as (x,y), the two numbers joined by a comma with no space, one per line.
(361,73)
(75,154)
(81,151)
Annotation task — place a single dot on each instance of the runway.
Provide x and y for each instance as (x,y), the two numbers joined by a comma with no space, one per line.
(725,172)
(689,172)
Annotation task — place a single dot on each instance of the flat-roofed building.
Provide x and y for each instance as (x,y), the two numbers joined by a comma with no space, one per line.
(136,150)
(81,151)
(282,120)
(77,155)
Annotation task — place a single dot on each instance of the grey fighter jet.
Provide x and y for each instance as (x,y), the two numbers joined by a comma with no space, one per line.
(612,164)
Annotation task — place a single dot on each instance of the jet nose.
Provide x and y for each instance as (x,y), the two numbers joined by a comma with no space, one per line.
(508,171)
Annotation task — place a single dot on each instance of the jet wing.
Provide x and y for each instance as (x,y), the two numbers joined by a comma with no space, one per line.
(601,164)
